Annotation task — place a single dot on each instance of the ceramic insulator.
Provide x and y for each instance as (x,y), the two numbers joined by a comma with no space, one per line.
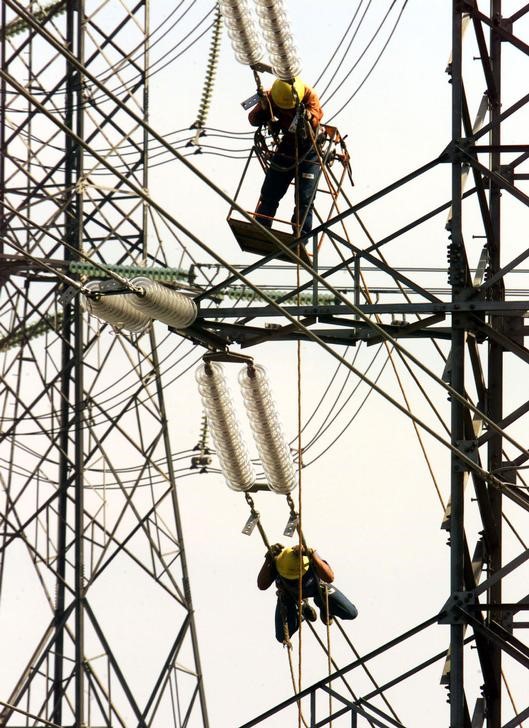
(231,450)
(278,38)
(271,445)
(242,31)
(164,304)
(116,310)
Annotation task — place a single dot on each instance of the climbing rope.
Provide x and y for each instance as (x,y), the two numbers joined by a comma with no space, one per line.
(275,457)
(294,518)
(299,424)
(368,299)
(298,224)
(328,630)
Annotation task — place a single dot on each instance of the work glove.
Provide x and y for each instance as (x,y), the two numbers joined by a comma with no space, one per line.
(274,127)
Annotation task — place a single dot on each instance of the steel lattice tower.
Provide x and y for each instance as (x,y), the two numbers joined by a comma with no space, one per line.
(54,205)
(488,445)
(88,484)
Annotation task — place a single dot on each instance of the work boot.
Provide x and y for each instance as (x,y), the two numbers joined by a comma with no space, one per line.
(308,613)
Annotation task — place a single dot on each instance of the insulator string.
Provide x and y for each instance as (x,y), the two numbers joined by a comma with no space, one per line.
(242,31)
(164,304)
(231,449)
(264,421)
(115,309)
(278,38)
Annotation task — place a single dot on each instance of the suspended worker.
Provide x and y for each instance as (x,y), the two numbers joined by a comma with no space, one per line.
(282,566)
(294,112)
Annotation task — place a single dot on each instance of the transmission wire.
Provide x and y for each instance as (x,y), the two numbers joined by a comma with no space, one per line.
(374,64)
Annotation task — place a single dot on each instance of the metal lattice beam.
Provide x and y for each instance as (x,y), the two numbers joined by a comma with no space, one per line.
(89,489)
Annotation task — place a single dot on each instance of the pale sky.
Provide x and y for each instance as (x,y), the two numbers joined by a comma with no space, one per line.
(368,503)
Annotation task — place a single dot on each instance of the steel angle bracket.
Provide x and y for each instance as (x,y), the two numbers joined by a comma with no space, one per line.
(68,295)
(250,102)
(228,356)
(452,613)
(250,524)
(201,337)
(262,67)
(291,526)
(279,333)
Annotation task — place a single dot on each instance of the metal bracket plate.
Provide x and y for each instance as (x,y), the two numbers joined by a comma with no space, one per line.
(68,295)
(250,525)
(291,526)
(248,103)
(451,614)
(468,448)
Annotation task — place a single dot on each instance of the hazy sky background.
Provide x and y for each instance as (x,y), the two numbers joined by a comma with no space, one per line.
(369,502)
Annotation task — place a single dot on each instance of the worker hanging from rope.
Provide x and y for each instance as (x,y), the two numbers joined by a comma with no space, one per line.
(282,565)
(294,110)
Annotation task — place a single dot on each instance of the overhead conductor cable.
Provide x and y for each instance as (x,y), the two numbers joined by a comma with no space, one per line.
(231,450)
(278,38)
(162,303)
(264,421)
(241,29)
(115,309)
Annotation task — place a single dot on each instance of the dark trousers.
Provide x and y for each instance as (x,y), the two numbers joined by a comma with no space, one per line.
(278,177)
(287,608)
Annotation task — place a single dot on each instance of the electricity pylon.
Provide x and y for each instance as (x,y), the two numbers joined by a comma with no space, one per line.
(91,533)
(64,423)
(482,318)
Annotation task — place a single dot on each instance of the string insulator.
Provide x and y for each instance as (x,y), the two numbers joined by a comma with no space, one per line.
(241,29)
(164,304)
(264,421)
(211,70)
(278,39)
(231,450)
(115,309)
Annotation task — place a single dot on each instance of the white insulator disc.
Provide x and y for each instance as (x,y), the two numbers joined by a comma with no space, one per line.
(231,450)
(164,304)
(278,38)
(116,310)
(271,444)
(285,73)
(285,62)
(241,29)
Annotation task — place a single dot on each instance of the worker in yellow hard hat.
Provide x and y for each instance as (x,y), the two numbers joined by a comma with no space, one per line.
(285,567)
(293,110)
(287,95)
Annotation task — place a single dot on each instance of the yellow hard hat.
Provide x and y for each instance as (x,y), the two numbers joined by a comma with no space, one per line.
(287,564)
(282,94)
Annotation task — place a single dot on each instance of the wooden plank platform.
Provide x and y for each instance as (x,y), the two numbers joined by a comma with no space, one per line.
(252,240)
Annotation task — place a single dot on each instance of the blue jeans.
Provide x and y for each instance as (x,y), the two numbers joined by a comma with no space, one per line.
(287,605)
(278,177)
